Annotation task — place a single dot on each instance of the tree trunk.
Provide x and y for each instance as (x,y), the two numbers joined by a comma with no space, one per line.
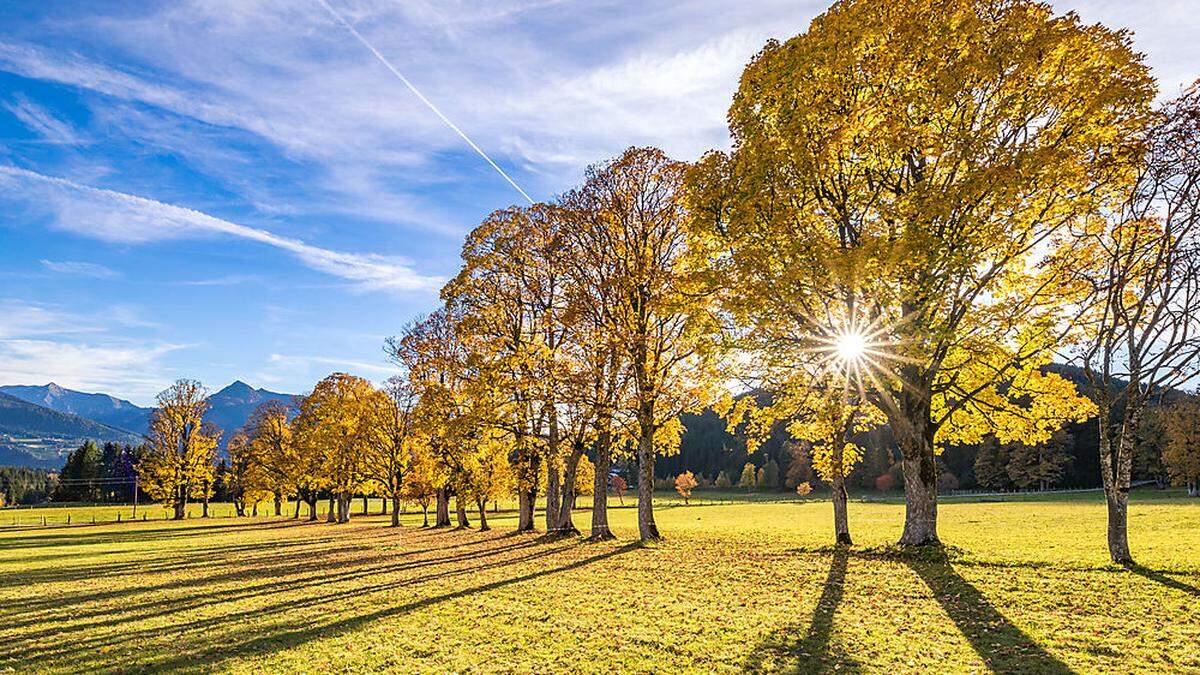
(1118,528)
(600,531)
(425,514)
(180,503)
(647,528)
(254,510)
(528,470)
(914,435)
(395,510)
(278,503)
(525,502)
(553,476)
(566,521)
(460,509)
(920,499)
(332,516)
(366,506)
(312,507)
(383,506)
(296,514)
(442,518)
(841,519)
(483,524)
(204,508)
(1115,474)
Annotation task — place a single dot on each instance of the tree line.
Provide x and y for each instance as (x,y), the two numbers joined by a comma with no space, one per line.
(925,204)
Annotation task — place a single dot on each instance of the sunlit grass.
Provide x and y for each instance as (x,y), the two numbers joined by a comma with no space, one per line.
(736,586)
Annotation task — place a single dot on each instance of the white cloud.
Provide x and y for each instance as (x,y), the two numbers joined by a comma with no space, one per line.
(77,268)
(43,122)
(118,217)
(283,368)
(551,84)
(307,362)
(42,343)
(130,369)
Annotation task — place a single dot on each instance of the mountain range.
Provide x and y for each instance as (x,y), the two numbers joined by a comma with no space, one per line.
(39,425)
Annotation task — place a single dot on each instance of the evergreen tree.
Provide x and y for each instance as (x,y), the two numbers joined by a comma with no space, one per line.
(1148,445)
(78,478)
(112,470)
(991,465)
(1039,465)
(770,475)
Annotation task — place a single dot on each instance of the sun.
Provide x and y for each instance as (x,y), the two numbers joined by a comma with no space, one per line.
(851,346)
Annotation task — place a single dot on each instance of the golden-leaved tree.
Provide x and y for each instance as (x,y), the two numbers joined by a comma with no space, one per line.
(922,161)
(436,361)
(180,462)
(511,299)
(393,421)
(248,481)
(269,432)
(628,232)
(336,418)
(1138,267)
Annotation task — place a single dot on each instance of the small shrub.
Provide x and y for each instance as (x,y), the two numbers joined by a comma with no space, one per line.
(748,478)
(684,484)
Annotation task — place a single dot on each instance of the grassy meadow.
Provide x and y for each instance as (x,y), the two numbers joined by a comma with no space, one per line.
(739,584)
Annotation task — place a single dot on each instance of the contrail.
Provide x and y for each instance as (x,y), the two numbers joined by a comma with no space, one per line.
(416,92)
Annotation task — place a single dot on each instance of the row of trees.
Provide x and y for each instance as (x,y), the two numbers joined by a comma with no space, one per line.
(22,485)
(924,205)
(347,438)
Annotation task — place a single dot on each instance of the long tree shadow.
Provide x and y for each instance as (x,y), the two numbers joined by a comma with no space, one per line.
(278,641)
(813,652)
(1003,646)
(1159,577)
(35,649)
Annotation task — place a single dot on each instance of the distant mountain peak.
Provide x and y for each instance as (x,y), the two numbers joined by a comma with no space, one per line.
(100,408)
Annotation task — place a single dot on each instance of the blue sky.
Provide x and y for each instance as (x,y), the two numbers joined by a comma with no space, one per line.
(239,189)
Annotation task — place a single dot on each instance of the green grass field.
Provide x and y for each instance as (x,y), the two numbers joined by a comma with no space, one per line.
(738,585)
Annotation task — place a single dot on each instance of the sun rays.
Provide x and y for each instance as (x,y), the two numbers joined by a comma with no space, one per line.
(855,352)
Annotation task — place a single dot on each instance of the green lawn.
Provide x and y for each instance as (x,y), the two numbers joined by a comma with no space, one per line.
(738,585)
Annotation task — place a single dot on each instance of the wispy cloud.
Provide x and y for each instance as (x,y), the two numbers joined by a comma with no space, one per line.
(42,343)
(128,369)
(119,217)
(281,367)
(42,122)
(77,268)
